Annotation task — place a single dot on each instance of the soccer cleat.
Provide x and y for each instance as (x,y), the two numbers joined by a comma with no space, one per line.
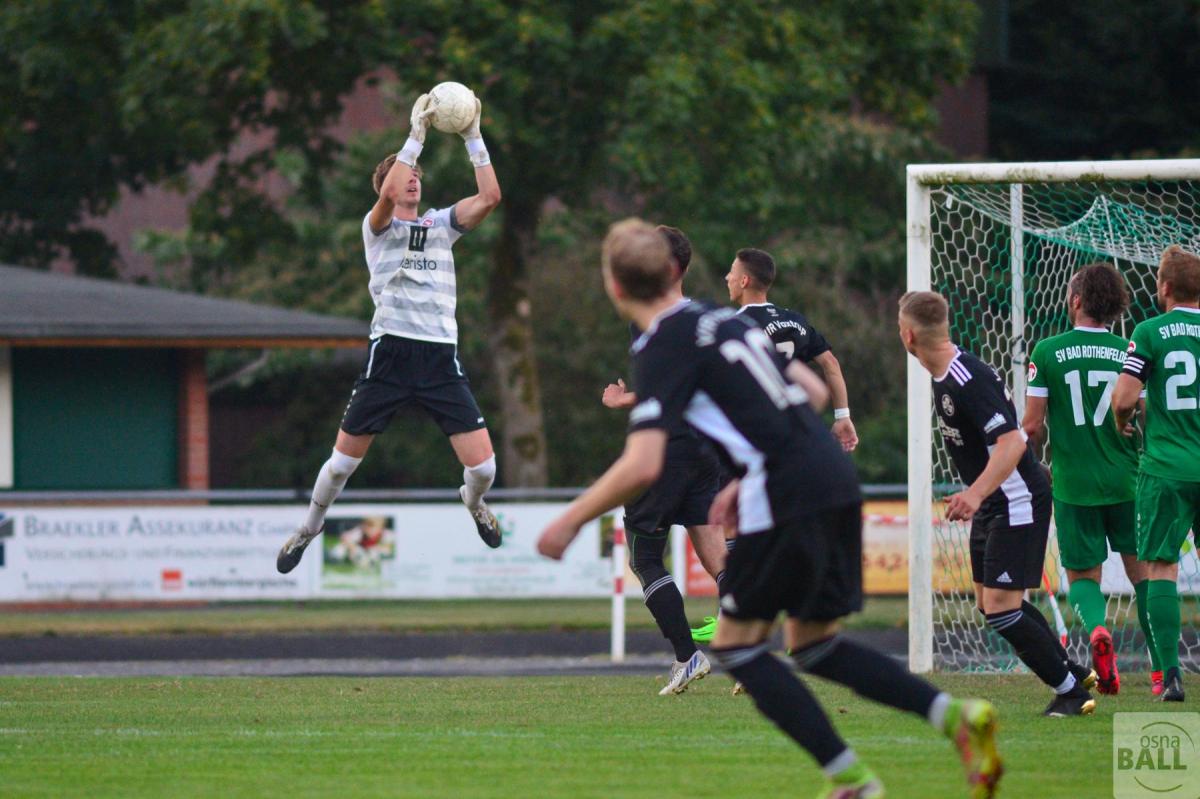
(705,632)
(856,782)
(684,674)
(485,521)
(738,689)
(1104,662)
(1156,683)
(1076,703)
(971,725)
(1084,677)
(293,549)
(1172,686)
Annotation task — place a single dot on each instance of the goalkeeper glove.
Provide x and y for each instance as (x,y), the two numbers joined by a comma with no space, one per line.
(476,149)
(418,122)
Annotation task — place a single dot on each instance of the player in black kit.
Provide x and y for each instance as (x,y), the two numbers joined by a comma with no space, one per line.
(750,277)
(1007,498)
(797,507)
(682,495)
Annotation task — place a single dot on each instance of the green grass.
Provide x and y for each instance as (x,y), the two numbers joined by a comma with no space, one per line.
(375,616)
(548,737)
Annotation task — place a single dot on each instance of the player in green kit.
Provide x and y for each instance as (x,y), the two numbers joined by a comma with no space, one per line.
(1164,356)
(1094,467)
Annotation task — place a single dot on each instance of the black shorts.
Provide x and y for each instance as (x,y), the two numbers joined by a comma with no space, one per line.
(399,371)
(810,568)
(1008,556)
(682,495)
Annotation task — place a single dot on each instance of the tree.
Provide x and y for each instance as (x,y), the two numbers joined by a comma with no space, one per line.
(709,115)
(1097,80)
(96,97)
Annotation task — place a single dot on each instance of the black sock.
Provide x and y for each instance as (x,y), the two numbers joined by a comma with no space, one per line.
(868,673)
(1035,645)
(1036,615)
(784,699)
(666,606)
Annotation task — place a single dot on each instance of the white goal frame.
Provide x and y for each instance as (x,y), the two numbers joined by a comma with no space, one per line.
(920,179)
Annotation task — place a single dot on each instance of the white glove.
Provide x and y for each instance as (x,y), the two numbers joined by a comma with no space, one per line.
(471,131)
(418,121)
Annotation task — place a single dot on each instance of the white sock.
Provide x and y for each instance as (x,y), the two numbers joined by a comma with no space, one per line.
(937,711)
(1067,685)
(478,479)
(840,763)
(330,482)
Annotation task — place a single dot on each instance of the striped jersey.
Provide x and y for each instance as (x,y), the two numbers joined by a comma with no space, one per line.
(974,409)
(412,276)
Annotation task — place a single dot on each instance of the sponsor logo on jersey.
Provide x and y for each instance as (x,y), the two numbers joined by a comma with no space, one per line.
(947,405)
(993,423)
(1032,371)
(1004,578)
(646,411)
(949,433)
(419,264)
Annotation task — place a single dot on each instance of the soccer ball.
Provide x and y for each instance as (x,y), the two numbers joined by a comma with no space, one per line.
(454,107)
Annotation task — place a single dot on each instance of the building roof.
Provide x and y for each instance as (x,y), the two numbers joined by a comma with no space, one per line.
(40,308)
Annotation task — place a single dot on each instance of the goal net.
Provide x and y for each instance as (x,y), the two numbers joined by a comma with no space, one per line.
(1000,241)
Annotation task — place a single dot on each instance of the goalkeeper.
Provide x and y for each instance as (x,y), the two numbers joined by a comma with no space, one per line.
(413,355)
(1094,467)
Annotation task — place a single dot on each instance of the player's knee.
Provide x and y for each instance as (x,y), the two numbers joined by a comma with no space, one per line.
(484,471)
(341,465)
(646,558)
(808,655)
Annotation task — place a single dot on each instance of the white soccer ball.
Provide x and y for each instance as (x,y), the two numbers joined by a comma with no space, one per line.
(454,107)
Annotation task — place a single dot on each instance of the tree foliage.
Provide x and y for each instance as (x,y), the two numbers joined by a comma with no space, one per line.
(1098,80)
(775,124)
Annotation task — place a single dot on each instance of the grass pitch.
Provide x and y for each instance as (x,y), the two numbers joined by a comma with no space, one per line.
(503,737)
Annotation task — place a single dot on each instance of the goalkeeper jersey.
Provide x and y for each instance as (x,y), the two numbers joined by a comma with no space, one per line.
(1165,356)
(1091,463)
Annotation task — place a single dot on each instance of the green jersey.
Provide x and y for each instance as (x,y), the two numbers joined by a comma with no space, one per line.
(1165,356)
(1091,463)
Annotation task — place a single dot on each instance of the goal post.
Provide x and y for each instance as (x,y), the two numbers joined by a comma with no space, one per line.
(1001,241)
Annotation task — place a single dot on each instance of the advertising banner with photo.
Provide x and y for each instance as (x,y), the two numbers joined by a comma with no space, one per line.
(228,553)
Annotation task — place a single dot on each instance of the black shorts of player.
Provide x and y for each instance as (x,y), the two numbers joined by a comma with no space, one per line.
(1010,556)
(682,495)
(399,371)
(809,568)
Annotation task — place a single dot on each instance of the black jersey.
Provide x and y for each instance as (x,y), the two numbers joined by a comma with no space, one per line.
(683,444)
(722,375)
(974,408)
(792,333)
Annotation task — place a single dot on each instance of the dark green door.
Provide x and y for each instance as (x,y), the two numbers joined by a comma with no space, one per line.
(95,418)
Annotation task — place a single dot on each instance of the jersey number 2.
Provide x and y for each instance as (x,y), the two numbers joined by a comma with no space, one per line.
(1094,378)
(1176,382)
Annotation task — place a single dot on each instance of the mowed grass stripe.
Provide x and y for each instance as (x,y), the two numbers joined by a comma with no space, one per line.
(501,737)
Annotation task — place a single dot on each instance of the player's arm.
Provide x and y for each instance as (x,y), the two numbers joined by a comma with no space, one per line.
(638,467)
(1034,423)
(1134,373)
(470,211)
(843,428)
(392,189)
(1125,399)
(814,386)
(1006,454)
